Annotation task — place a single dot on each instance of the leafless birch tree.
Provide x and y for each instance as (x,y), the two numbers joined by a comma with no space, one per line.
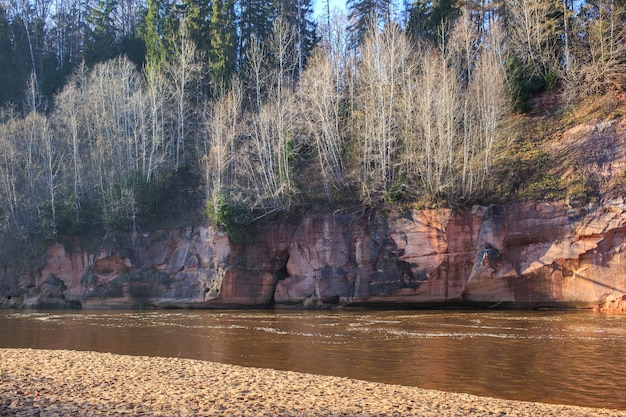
(221,159)
(184,72)
(320,100)
(533,32)
(384,72)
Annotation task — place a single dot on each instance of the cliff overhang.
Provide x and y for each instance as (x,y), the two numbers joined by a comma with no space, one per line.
(518,255)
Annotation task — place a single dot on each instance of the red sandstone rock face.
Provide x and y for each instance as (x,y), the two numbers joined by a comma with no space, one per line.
(518,255)
(549,255)
(616,305)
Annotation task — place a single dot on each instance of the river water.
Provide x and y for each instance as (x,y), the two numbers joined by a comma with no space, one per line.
(554,357)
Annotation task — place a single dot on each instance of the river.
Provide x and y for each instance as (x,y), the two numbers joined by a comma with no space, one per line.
(555,357)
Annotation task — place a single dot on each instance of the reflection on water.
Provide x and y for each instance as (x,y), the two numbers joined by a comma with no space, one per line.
(555,357)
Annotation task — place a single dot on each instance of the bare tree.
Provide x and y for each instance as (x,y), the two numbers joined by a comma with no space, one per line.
(53,160)
(184,71)
(458,105)
(69,115)
(270,126)
(321,99)
(153,144)
(385,70)
(112,93)
(487,90)
(10,198)
(534,30)
(223,128)
(598,61)
(281,97)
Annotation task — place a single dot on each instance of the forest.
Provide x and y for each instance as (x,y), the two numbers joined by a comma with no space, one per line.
(127,114)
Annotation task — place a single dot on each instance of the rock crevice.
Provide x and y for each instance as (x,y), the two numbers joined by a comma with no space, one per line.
(517,255)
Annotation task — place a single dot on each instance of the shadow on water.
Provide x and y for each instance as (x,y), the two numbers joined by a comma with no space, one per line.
(555,357)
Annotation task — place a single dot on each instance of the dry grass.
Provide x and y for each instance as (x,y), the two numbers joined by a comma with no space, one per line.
(576,155)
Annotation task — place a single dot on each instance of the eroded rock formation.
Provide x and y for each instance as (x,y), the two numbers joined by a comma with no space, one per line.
(518,255)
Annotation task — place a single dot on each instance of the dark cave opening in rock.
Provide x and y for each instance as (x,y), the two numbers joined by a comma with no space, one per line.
(282,272)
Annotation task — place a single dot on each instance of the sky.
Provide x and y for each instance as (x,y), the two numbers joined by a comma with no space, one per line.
(320,6)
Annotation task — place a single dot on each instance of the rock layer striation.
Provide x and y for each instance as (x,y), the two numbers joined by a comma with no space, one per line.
(531,255)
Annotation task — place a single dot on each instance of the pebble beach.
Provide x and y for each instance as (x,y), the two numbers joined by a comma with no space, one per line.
(72,383)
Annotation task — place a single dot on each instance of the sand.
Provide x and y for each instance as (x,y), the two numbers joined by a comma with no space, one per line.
(70,383)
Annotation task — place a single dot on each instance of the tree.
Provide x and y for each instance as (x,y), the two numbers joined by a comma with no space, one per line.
(69,115)
(452,122)
(223,35)
(153,31)
(157,119)
(385,72)
(269,151)
(534,29)
(53,160)
(33,18)
(17,208)
(598,60)
(367,14)
(256,18)
(443,12)
(28,32)
(184,71)
(101,43)
(111,94)
(196,15)
(425,18)
(482,13)
(321,102)
(128,17)
(223,129)
(487,92)
(418,22)
(11,76)
(298,15)
(66,40)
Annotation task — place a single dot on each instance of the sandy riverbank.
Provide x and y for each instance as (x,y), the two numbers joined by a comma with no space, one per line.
(69,383)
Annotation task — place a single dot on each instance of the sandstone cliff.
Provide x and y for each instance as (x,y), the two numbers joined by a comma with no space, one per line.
(528,255)
(520,255)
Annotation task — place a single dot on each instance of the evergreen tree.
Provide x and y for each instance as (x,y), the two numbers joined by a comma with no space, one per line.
(443,10)
(9,79)
(101,42)
(223,36)
(197,17)
(425,18)
(152,33)
(20,60)
(363,13)
(298,14)
(255,25)
(418,14)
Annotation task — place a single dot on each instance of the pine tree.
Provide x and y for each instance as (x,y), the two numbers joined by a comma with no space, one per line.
(255,24)
(425,18)
(9,80)
(152,33)
(223,35)
(418,14)
(364,13)
(443,12)
(196,19)
(298,14)
(101,38)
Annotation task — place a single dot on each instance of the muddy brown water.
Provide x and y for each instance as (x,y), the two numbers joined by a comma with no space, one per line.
(555,357)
